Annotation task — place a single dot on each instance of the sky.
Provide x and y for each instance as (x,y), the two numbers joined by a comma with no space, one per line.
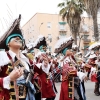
(10,10)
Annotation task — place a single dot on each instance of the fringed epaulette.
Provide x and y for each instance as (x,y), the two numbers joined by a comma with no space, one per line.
(4,60)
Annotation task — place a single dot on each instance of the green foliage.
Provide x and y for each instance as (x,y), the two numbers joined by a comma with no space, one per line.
(72,10)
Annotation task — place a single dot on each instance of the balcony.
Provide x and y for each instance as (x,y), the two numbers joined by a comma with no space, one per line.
(62,23)
(62,27)
(62,30)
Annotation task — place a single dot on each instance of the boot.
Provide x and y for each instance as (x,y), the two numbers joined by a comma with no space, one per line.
(96,90)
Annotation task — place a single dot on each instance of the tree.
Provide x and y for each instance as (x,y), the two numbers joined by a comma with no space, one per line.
(92,7)
(72,10)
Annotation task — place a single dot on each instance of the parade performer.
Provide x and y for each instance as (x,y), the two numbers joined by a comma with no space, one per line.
(93,66)
(68,92)
(57,67)
(15,68)
(44,69)
(92,72)
(80,63)
(29,52)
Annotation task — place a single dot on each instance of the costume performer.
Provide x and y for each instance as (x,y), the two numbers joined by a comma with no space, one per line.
(43,68)
(29,52)
(15,83)
(69,72)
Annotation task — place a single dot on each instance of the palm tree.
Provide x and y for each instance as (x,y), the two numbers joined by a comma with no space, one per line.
(92,7)
(72,10)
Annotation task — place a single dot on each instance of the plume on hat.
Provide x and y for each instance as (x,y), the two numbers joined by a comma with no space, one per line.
(41,40)
(63,43)
(14,28)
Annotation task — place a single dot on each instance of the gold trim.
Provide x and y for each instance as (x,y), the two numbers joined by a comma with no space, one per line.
(11,87)
(70,87)
(71,81)
(12,93)
(9,67)
(70,93)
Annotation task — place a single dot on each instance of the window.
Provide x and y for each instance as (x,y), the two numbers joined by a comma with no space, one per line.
(32,28)
(49,25)
(49,48)
(50,37)
(85,37)
(62,34)
(62,27)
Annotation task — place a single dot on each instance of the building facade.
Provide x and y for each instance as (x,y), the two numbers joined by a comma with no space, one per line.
(53,28)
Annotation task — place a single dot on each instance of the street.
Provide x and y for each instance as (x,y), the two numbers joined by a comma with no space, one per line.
(89,91)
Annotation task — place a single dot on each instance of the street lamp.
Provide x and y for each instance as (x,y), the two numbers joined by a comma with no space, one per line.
(40,26)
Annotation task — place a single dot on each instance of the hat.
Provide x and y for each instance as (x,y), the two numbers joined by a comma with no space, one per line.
(92,56)
(63,43)
(75,47)
(94,45)
(30,47)
(13,31)
(41,41)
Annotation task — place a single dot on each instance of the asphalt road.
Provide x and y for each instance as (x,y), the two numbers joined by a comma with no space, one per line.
(89,91)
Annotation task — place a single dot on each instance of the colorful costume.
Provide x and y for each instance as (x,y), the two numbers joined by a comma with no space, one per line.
(69,72)
(22,88)
(93,61)
(48,87)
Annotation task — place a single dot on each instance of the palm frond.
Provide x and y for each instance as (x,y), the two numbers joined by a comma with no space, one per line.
(64,16)
(62,11)
(61,4)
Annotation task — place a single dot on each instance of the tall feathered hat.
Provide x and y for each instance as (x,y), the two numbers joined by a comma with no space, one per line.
(30,47)
(41,41)
(94,46)
(63,43)
(13,31)
(75,47)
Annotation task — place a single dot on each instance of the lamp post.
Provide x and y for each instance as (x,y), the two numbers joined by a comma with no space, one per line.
(40,26)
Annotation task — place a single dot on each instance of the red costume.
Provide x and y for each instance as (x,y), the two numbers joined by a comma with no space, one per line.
(48,89)
(11,87)
(68,69)
(67,86)
(47,84)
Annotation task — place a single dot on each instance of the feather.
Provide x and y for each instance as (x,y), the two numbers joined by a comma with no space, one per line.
(61,41)
(4,60)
